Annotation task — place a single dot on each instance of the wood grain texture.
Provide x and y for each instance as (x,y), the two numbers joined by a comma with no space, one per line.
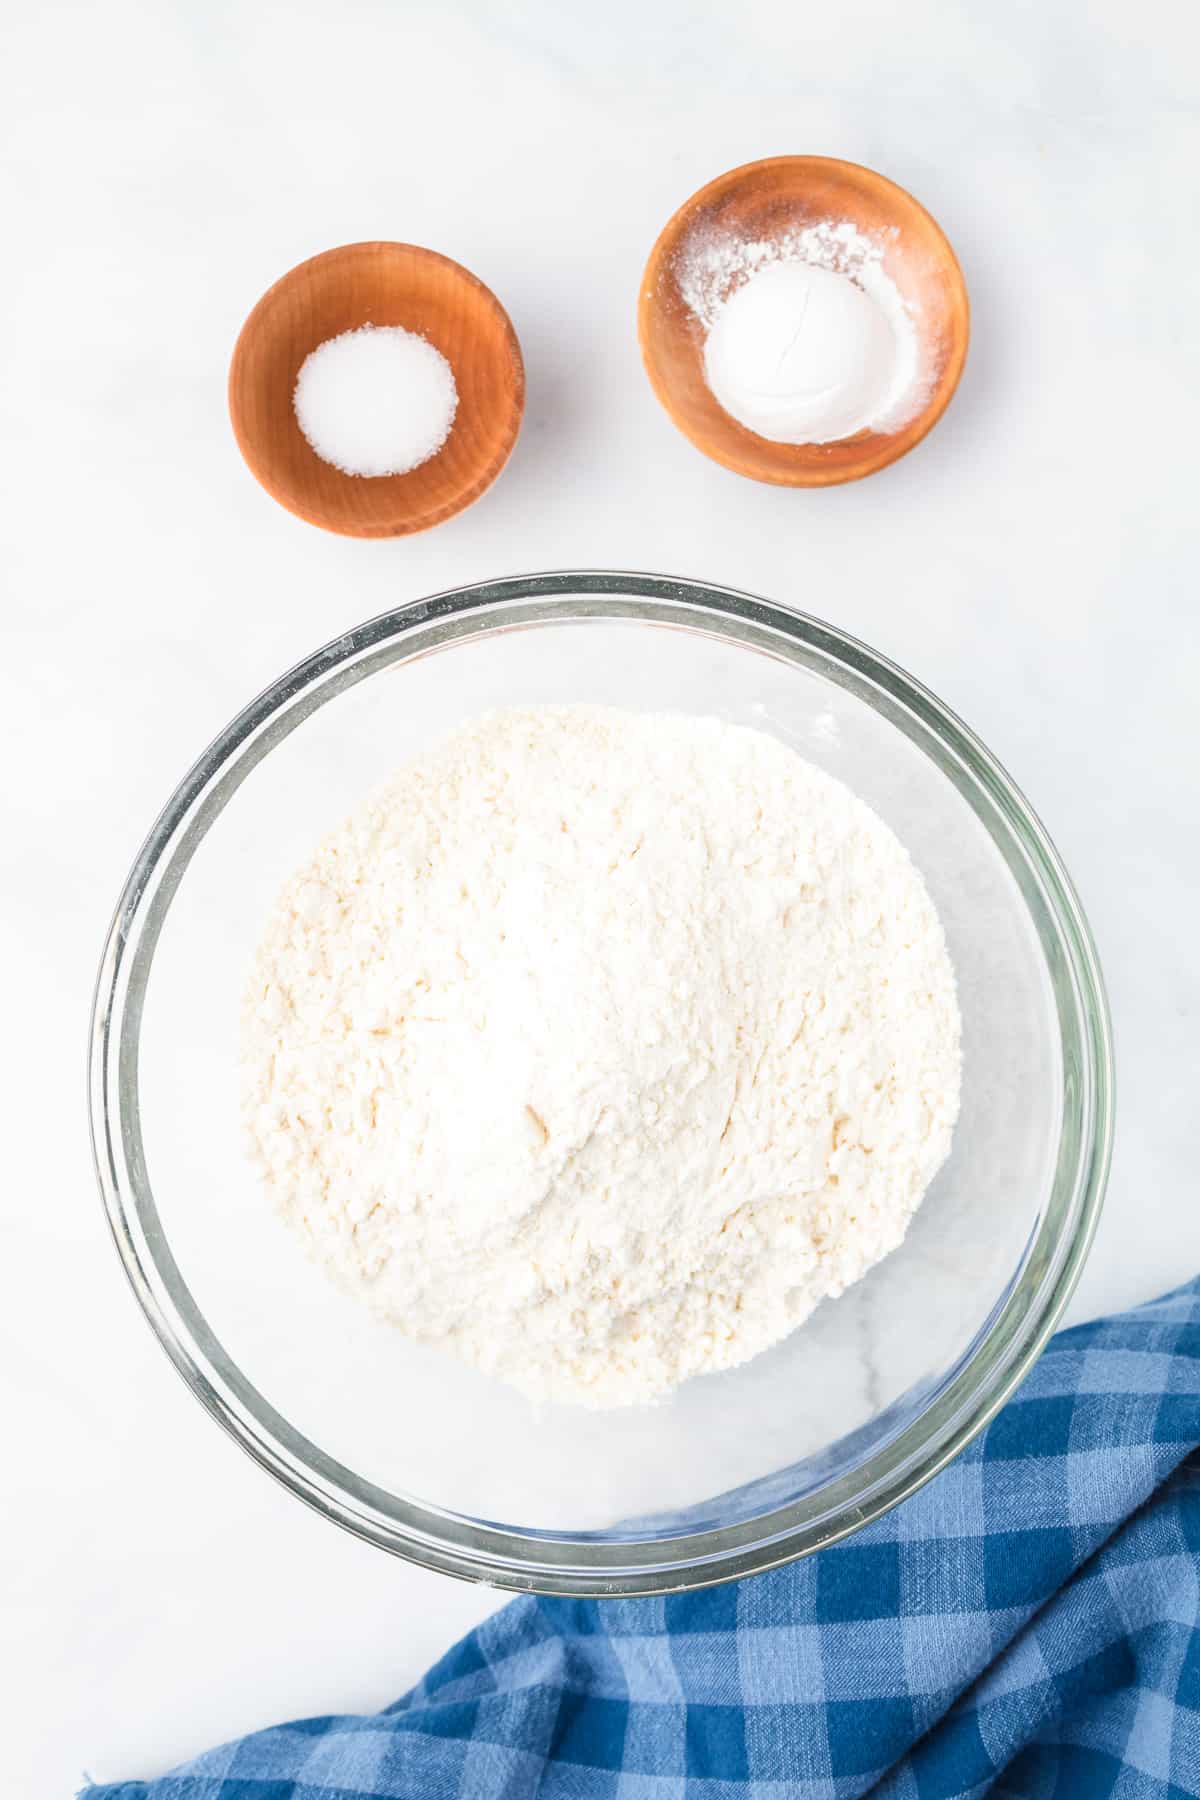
(377,284)
(764,200)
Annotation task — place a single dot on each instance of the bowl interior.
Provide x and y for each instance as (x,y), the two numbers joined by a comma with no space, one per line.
(377,284)
(379,1419)
(763,202)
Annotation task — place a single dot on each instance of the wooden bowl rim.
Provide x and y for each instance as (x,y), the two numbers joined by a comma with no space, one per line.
(511,423)
(893,445)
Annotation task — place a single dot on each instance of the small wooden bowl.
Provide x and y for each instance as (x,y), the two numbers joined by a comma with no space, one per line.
(377,284)
(764,200)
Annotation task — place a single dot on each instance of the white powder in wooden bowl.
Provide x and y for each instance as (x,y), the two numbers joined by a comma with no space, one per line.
(376,401)
(807,338)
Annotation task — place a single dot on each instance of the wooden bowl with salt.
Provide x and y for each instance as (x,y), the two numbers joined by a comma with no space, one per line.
(381,284)
(766,202)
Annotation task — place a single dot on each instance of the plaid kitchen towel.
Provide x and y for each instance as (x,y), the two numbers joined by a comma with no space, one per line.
(1027,1625)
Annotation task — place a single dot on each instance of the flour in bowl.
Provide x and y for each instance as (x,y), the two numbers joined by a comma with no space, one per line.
(599,1047)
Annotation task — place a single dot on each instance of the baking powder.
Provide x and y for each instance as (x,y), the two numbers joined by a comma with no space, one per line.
(807,338)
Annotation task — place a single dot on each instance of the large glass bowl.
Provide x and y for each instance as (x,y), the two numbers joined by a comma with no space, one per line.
(737,1471)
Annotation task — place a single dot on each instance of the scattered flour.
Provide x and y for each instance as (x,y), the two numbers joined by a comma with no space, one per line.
(598,1047)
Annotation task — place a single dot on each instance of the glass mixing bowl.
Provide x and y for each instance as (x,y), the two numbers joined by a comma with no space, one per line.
(737,1471)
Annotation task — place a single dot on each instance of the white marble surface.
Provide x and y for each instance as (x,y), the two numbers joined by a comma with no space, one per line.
(1035,562)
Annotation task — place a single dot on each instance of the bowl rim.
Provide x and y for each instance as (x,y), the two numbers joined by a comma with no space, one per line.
(581,1563)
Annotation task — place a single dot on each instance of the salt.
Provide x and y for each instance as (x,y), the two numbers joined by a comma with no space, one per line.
(376,401)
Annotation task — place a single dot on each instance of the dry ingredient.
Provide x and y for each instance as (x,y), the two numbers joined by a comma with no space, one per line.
(376,401)
(808,339)
(599,1047)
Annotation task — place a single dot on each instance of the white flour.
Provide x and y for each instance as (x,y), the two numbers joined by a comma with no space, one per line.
(598,1047)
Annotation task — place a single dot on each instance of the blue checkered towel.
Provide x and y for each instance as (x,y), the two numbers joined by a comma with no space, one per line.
(1027,1625)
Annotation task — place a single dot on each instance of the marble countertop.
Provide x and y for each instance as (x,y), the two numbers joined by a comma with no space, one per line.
(1034,562)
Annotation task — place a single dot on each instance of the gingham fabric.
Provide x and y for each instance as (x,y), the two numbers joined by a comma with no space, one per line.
(1027,1625)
